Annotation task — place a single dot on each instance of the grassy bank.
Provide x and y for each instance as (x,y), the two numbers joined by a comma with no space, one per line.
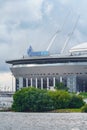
(54,111)
(67,110)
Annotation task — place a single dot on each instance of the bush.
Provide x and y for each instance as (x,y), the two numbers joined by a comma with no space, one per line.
(84,108)
(61,99)
(83,94)
(37,100)
(31,99)
(76,102)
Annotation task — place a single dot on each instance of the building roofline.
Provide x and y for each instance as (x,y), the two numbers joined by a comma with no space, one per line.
(47,60)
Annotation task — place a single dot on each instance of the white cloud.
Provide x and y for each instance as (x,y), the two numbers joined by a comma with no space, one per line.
(64,1)
(21,10)
(7,82)
(48,8)
(12,13)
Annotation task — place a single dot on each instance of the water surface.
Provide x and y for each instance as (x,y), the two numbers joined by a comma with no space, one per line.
(43,121)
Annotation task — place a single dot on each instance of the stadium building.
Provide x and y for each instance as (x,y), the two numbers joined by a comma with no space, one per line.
(41,70)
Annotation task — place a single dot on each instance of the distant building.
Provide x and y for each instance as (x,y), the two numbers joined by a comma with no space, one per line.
(46,71)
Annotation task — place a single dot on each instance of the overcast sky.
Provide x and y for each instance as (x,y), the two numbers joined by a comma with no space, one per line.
(34,22)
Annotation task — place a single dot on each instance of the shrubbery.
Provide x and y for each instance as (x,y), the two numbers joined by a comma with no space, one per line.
(83,94)
(84,108)
(61,99)
(37,100)
(32,99)
(76,102)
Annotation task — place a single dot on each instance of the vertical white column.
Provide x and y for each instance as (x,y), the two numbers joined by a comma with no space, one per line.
(61,79)
(31,82)
(26,82)
(20,82)
(36,82)
(41,83)
(12,83)
(53,81)
(47,83)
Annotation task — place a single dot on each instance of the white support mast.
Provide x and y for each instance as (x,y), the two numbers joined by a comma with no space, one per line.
(52,40)
(55,35)
(70,35)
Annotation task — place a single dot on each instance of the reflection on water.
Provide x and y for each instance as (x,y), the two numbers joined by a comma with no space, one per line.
(75,129)
(43,121)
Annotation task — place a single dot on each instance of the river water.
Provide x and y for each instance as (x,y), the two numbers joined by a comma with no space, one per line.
(43,121)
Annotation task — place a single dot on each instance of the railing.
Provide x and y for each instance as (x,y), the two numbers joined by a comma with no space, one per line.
(6,93)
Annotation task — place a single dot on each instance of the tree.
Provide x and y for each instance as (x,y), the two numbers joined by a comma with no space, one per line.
(61,86)
(32,100)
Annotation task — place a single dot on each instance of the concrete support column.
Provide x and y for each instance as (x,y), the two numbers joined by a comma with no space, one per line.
(20,82)
(31,81)
(84,86)
(36,82)
(41,83)
(26,82)
(47,83)
(53,81)
(61,79)
(71,83)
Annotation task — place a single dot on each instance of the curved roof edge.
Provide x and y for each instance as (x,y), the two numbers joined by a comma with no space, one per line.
(79,48)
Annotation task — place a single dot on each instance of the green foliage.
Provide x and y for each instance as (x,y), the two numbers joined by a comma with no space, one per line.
(83,94)
(37,100)
(31,99)
(76,101)
(61,86)
(61,99)
(84,108)
(67,110)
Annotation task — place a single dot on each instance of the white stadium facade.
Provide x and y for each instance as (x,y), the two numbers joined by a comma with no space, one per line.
(42,70)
